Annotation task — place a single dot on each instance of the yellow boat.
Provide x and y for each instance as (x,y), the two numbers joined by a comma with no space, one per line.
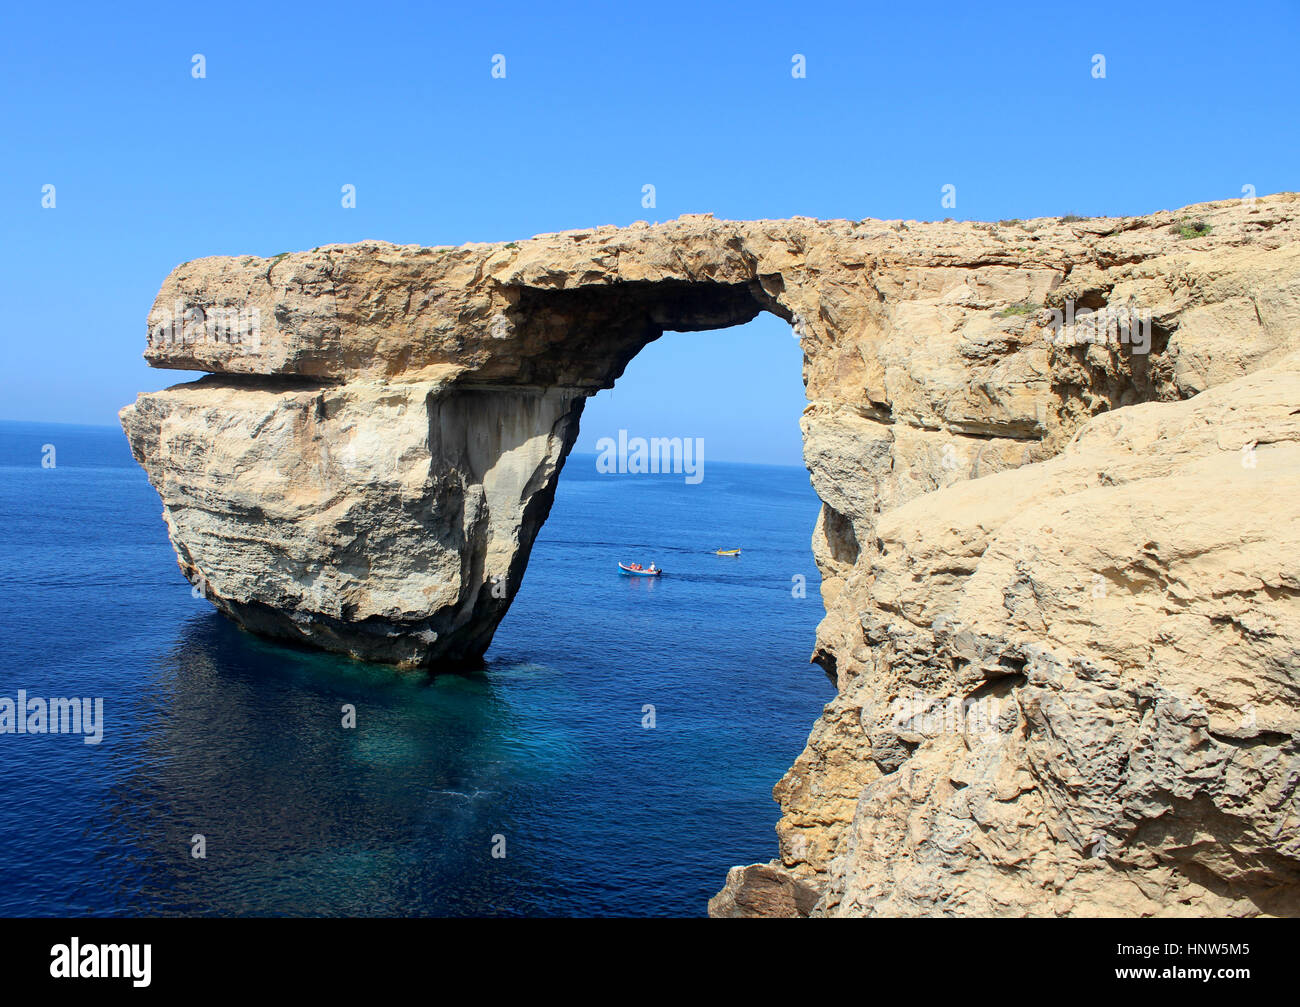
(727,552)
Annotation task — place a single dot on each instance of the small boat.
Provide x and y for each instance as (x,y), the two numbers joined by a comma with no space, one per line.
(727,552)
(636,570)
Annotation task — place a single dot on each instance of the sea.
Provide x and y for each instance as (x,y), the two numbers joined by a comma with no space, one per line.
(614,757)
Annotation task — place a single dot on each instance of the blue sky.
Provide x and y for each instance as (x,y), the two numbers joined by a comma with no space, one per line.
(153,167)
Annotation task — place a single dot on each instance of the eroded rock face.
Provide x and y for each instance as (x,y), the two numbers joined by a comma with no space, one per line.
(368,464)
(389,521)
(763,891)
(1082,682)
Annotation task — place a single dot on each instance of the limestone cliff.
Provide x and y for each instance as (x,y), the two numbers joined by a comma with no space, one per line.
(1058,471)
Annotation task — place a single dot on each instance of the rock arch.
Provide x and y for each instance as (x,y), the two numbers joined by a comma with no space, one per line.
(367,471)
(379,436)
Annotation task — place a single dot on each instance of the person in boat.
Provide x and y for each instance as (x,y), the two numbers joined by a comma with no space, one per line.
(652,568)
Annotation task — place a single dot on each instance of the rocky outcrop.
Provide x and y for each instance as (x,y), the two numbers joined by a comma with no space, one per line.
(1081,692)
(386,520)
(1003,419)
(763,891)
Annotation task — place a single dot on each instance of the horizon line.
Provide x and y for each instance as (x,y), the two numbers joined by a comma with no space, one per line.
(573,453)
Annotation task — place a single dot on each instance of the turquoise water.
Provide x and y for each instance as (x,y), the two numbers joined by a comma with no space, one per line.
(211,731)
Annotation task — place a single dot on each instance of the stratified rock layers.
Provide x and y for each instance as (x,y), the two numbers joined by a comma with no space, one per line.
(1058,558)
